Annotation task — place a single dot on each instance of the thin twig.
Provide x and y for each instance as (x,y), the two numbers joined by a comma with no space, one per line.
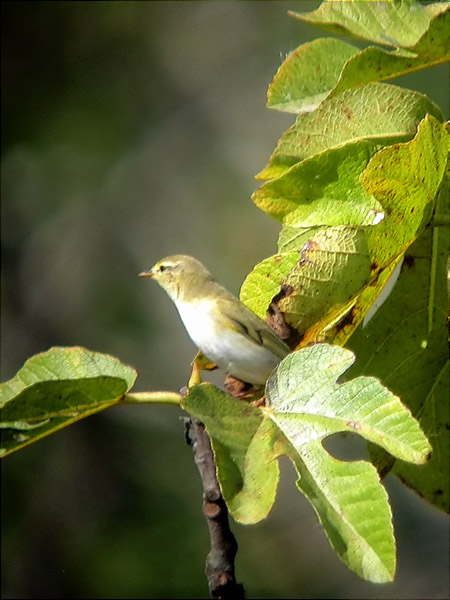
(220,561)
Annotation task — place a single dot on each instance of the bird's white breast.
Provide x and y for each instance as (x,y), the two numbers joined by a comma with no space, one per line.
(229,348)
(198,319)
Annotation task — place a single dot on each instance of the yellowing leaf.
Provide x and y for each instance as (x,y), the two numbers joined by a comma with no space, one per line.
(326,279)
(405,345)
(327,273)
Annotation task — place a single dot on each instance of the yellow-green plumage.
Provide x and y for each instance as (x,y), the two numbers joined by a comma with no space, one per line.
(225,330)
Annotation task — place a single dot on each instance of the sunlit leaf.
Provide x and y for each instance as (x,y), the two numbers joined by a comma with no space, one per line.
(304,405)
(326,279)
(405,345)
(57,388)
(405,179)
(330,269)
(327,67)
(323,190)
(393,24)
(308,74)
(371,112)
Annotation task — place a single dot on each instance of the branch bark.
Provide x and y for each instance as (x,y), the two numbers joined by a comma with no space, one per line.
(220,561)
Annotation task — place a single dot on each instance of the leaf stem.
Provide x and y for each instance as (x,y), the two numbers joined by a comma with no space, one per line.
(173,398)
(433,267)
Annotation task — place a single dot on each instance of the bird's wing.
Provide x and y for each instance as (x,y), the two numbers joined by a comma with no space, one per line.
(253,328)
(274,343)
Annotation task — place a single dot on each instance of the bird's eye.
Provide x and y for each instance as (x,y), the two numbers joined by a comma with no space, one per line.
(162,268)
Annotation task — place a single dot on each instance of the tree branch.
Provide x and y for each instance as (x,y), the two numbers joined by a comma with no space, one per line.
(220,561)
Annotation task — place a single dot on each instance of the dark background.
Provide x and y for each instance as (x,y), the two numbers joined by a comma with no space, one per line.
(133,130)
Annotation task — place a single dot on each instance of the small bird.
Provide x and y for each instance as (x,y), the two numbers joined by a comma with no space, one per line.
(227,332)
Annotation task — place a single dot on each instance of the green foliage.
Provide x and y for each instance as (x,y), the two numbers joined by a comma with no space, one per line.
(303,406)
(327,67)
(358,183)
(400,25)
(349,244)
(405,346)
(57,388)
(366,113)
(334,266)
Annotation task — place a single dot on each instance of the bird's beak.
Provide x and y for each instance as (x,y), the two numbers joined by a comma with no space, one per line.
(145,274)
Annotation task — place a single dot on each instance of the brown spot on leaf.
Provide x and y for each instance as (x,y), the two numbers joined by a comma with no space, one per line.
(354,425)
(348,113)
(345,321)
(309,246)
(307,253)
(286,290)
(275,317)
(408,262)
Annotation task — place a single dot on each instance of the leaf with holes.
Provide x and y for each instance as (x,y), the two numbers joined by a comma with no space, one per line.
(304,405)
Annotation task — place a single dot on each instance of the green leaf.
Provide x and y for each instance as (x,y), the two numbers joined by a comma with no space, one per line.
(405,345)
(326,67)
(265,281)
(375,64)
(323,190)
(405,179)
(354,511)
(238,429)
(395,24)
(304,405)
(308,74)
(367,113)
(326,279)
(330,270)
(294,238)
(57,388)
(431,481)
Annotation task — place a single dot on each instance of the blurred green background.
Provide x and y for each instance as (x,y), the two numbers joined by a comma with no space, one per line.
(133,130)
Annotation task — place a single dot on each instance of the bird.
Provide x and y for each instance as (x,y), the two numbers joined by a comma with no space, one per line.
(226,331)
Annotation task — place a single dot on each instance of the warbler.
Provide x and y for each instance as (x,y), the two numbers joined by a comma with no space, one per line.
(227,332)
